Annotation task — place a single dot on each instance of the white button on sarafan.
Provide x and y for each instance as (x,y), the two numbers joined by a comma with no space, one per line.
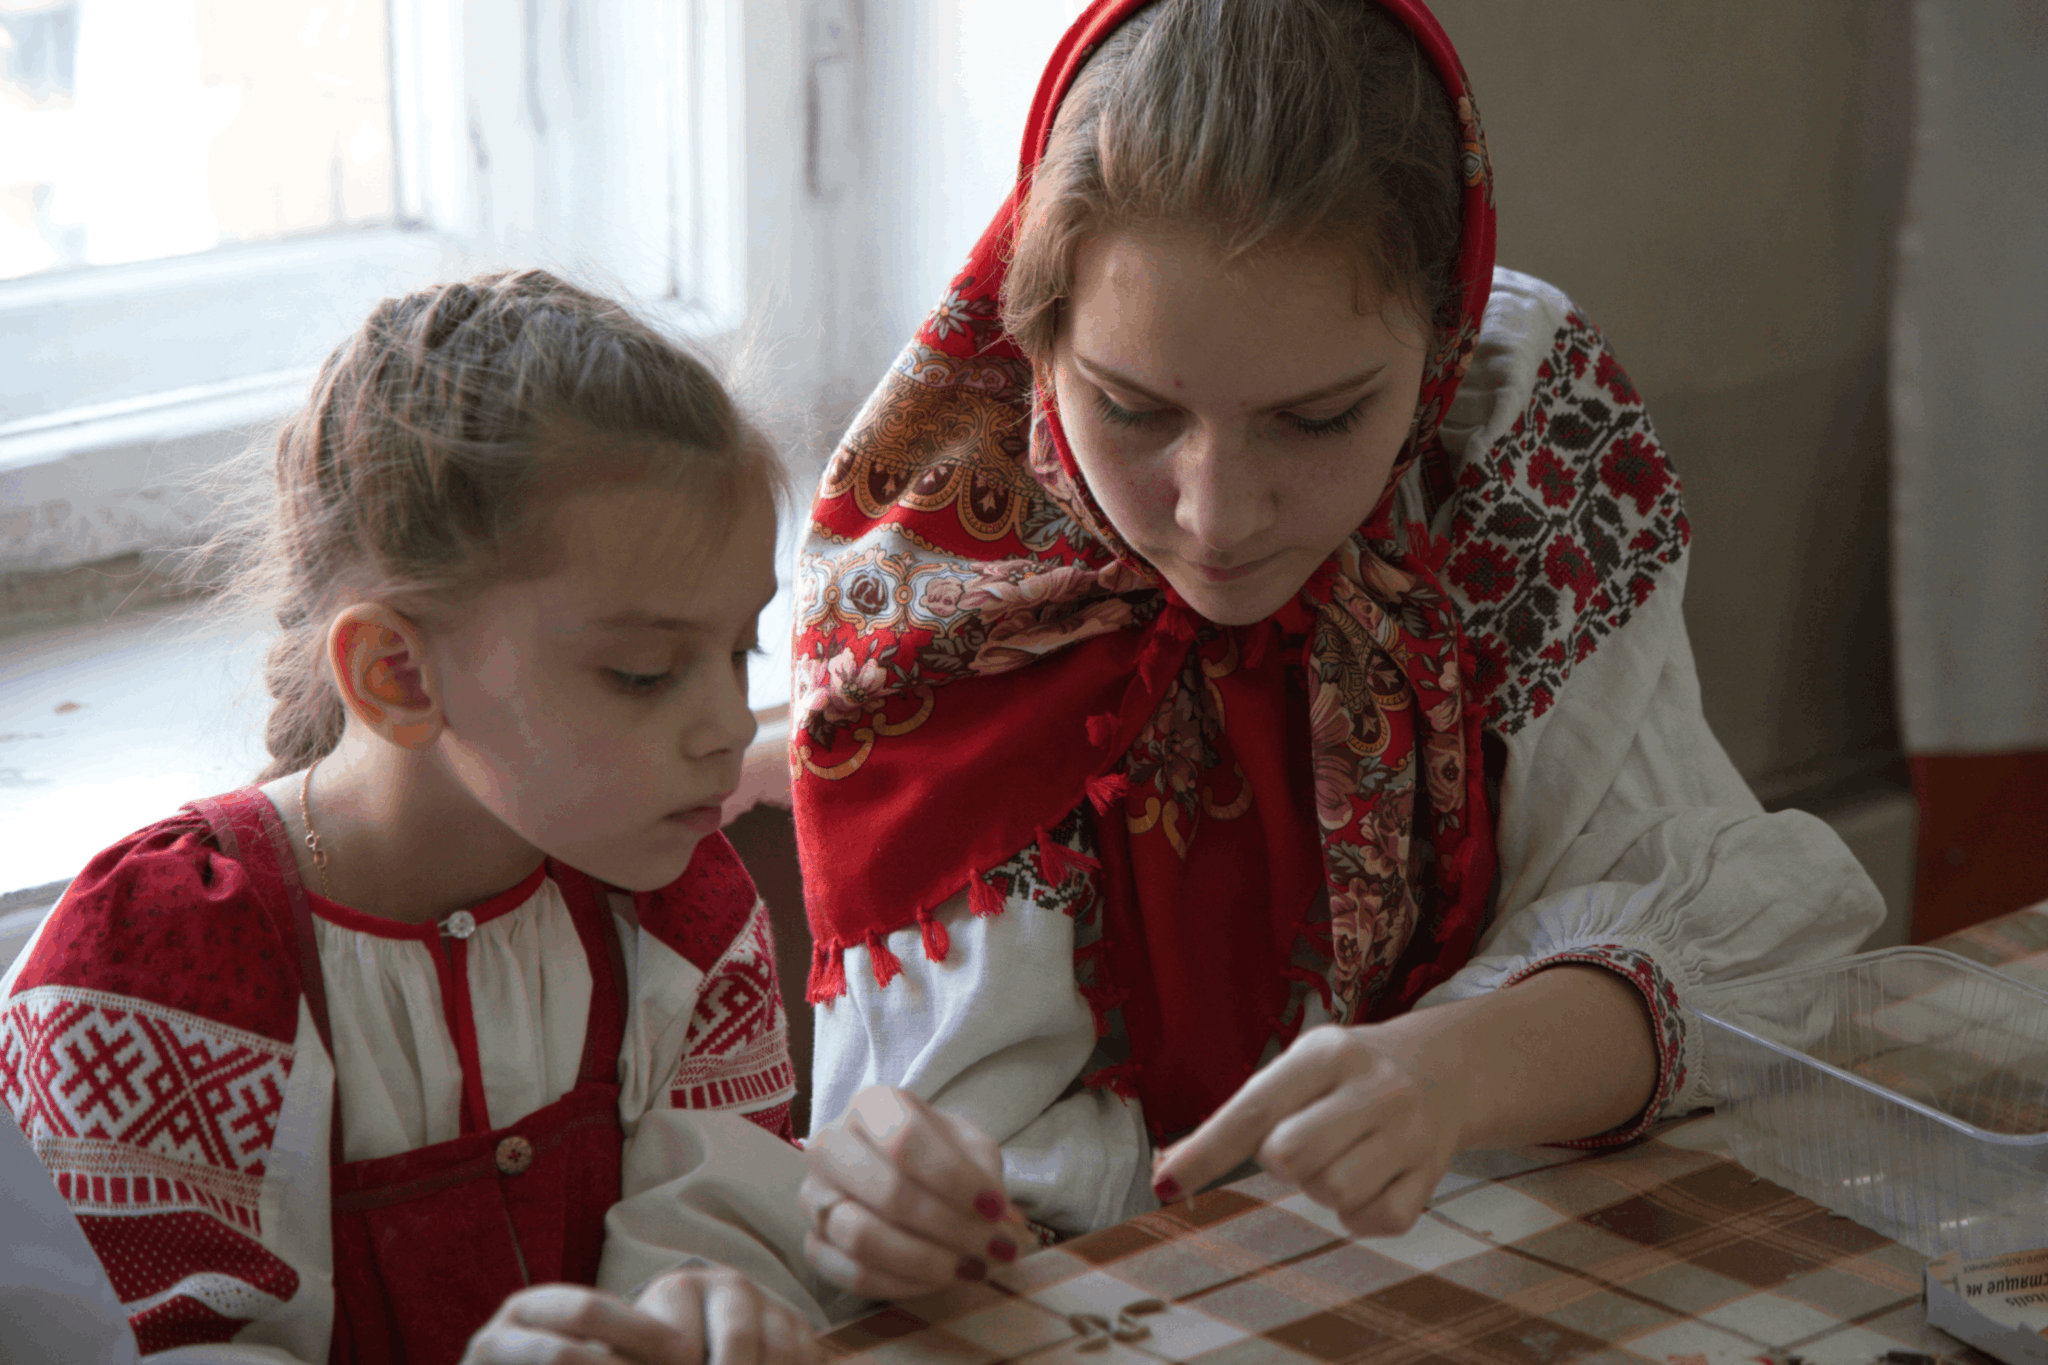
(461,924)
(514,1155)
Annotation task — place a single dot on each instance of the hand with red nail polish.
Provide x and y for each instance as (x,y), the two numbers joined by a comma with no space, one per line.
(1342,1115)
(904,1199)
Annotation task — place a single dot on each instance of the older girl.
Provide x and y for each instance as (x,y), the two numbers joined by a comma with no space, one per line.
(459,1036)
(1248,709)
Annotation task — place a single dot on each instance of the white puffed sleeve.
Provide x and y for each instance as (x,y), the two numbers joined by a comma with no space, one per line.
(702,1187)
(1626,837)
(707,1175)
(998,1033)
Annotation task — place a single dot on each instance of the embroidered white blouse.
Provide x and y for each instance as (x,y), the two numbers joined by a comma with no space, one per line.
(1626,839)
(704,1070)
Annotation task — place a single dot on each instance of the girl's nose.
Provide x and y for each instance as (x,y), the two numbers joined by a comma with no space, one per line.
(1223,501)
(723,721)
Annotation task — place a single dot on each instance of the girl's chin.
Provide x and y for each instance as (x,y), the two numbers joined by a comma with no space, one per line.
(1235,602)
(644,869)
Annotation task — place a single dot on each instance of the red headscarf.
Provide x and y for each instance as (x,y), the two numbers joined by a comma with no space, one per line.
(978,653)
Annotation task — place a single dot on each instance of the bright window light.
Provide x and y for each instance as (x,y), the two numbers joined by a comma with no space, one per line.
(133,130)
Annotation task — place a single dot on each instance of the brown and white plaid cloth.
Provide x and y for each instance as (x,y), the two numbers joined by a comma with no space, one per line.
(1658,1253)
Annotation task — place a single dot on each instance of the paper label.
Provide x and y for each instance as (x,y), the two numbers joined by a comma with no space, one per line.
(2011,1289)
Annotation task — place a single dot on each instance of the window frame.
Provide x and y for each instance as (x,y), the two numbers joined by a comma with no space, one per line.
(501,122)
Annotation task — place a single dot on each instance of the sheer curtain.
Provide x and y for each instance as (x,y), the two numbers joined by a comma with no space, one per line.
(1970,413)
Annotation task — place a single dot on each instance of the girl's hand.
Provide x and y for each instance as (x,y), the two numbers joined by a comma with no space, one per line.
(1346,1115)
(723,1316)
(905,1199)
(572,1324)
(686,1317)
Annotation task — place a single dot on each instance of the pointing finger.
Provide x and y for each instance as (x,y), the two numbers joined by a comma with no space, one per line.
(1234,1133)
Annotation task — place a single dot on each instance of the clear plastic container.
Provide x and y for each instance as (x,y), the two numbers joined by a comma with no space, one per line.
(1906,1088)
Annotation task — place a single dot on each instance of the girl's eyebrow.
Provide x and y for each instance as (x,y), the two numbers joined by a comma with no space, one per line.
(644,620)
(1099,371)
(637,618)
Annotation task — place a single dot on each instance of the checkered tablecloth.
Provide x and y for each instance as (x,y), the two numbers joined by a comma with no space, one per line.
(1665,1252)
(2016,944)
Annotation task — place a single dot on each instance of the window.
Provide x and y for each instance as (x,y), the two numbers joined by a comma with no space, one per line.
(199,197)
(132,130)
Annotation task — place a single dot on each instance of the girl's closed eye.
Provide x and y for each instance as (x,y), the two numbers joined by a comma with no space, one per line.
(1328,426)
(1116,414)
(639,684)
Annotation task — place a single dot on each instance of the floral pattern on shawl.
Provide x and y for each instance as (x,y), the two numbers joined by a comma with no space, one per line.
(895,615)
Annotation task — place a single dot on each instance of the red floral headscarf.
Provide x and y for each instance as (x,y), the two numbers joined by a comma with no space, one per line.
(978,654)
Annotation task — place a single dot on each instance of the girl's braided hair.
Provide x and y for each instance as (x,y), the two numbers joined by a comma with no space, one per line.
(412,475)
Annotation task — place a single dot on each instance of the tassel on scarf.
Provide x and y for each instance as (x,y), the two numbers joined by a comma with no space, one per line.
(1165,648)
(1101,1000)
(982,899)
(1102,729)
(1106,790)
(1150,661)
(937,942)
(887,965)
(1258,643)
(1322,985)
(828,974)
(1058,862)
(1120,1080)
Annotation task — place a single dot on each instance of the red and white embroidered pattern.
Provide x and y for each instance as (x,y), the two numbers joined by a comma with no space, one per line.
(1562,528)
(155,1125)
(134,1106)
(702,912)
(736,1054)
(186,1278)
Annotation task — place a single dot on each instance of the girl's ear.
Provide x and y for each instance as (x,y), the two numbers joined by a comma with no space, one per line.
(379,669)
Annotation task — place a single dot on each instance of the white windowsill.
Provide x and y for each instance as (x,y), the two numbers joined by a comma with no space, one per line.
(165,706)
(198,410)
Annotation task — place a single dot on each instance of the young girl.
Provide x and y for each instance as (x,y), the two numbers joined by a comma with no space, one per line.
(1245,609)
(458,1037)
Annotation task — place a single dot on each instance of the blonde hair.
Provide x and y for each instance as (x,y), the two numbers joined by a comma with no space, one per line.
(1265,123)
(412,475)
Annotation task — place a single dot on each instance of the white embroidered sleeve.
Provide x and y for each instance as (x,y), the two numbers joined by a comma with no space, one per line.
(1000,1034)
(709,1177)
(214,1242)
(1628,839)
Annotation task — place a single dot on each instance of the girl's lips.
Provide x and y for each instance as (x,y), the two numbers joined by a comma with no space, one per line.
(1210,574)
(705,819)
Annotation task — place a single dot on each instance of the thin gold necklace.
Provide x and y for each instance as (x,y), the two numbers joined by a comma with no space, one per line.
(461,924)
(312,836)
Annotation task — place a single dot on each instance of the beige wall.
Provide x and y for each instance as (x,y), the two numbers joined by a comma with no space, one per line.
(1718,187)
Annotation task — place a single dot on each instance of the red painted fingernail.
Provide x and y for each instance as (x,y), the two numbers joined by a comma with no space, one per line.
(1168,1190)
(1003,1249)
(989,1205)
(971,1270)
